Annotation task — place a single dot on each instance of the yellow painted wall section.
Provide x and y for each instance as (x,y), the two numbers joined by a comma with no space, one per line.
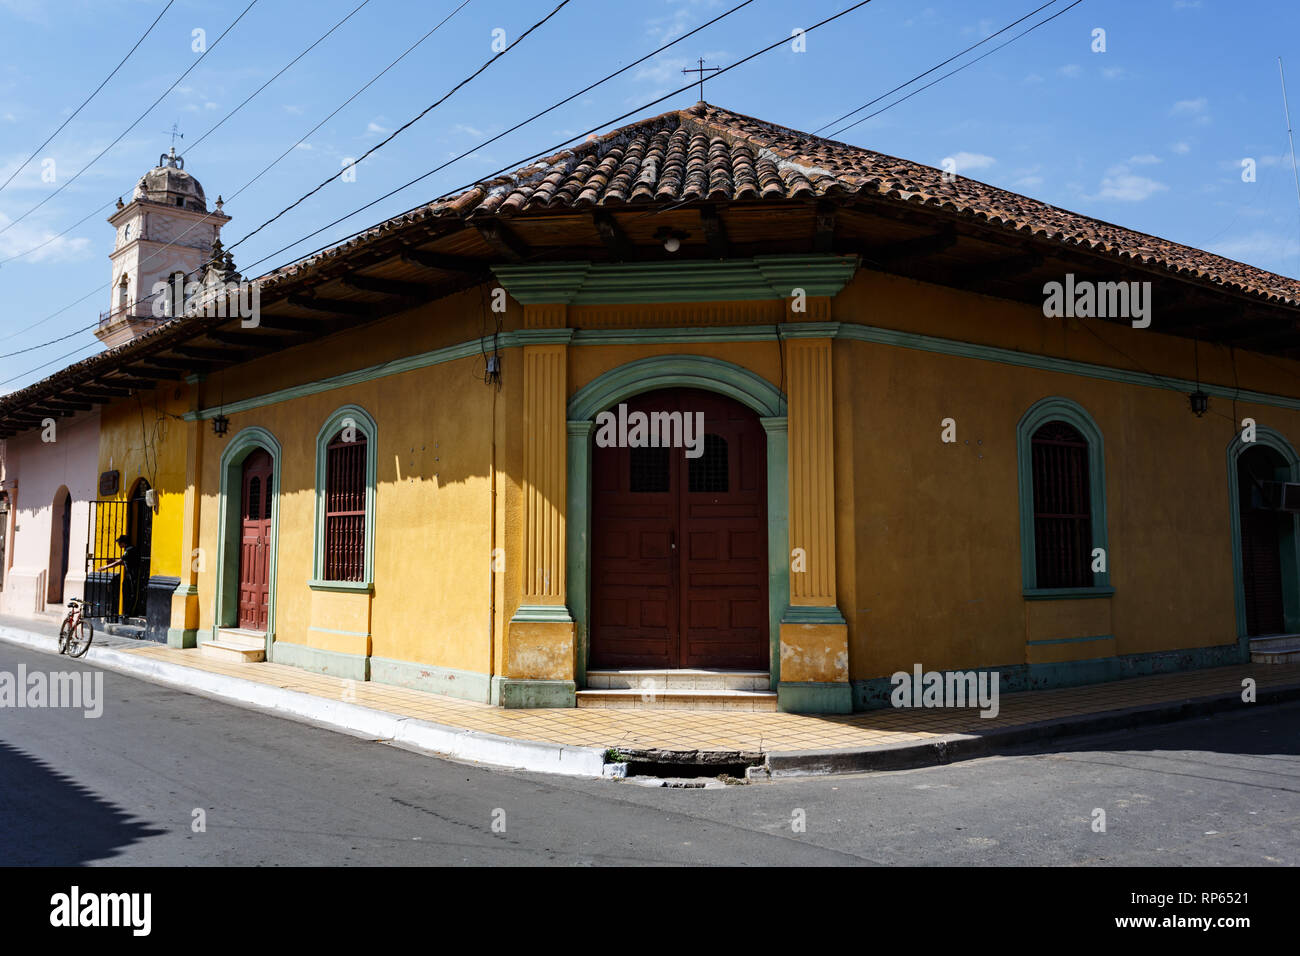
(432,513)
(937,525)
(144,437)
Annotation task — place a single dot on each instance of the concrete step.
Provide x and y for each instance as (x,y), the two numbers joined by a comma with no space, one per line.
(647,679)
(1275,649)
(133,631)
(238,652)
(240,637)
(681,699)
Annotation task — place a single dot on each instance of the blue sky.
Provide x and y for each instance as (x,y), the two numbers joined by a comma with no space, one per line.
(1149,134)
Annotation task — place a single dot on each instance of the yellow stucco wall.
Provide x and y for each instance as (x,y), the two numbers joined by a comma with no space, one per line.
(434,493)
(144,437)
(927,534)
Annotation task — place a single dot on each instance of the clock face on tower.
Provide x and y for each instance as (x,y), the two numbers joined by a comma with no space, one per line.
(126,233)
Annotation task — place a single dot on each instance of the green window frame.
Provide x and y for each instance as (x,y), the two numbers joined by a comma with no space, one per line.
(356,417)
(1059,409)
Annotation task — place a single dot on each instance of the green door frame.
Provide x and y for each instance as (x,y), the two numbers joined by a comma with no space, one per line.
(225,598)
(675,371)
(1289,546)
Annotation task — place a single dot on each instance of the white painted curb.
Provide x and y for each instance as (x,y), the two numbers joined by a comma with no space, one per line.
(423,735)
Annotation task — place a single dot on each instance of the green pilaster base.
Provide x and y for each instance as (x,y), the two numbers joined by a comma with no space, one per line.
(809,697)
(509,692)
(182,637)
(333,663)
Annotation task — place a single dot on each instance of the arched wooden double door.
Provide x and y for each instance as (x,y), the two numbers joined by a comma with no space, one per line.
(255,540)
(679,545)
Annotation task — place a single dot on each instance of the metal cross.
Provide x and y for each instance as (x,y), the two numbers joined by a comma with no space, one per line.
(702,69)
(174,133)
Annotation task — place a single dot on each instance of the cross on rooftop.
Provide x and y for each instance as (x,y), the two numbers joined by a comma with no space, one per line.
(702,69)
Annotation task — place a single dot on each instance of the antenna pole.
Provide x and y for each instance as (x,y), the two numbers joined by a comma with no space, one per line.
(1290,136)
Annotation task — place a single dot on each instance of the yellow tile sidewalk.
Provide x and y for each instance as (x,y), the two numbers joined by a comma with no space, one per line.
(743,731)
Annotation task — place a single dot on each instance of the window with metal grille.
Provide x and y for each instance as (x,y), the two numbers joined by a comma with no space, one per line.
(1062,508)
(709,471)
(649,470)
(345,508)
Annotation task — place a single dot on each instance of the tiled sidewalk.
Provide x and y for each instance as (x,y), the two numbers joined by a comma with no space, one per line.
(765,732)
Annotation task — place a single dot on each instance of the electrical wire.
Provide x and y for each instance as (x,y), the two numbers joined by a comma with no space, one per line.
(133,125)
(88,98)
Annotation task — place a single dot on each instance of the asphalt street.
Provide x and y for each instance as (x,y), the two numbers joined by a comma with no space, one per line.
(124,788)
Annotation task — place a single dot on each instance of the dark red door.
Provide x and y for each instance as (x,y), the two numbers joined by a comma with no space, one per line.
(255,541)
(679,545)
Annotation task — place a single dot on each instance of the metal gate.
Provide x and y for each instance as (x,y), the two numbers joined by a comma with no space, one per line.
(107,522)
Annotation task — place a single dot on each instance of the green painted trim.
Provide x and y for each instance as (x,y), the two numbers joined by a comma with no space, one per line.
(1065,594)
(703,280)
(541,337)
(778,537)
(407,363)
(577,535)
(542,614)
(182,637)
(815,697)
(673,371)
(333,663)
(1072,640)
(676,336)
(809,614)
(186,590)
(809,330)
(1072,413)
(511,693)
(431,679)
(753,333)
(334,630)
(676,371)
(874,693)
(349,586)
(225,595)
(1048,363)
(363,422)
(1269,438)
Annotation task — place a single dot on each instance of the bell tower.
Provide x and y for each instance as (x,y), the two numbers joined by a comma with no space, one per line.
(166,228)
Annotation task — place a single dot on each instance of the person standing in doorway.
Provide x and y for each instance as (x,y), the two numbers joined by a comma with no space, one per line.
(130,564)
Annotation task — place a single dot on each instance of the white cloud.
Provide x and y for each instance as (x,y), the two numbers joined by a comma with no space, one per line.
(968,162)
(373,127)
(1121,183)
(1070,70)
(1194,107)
(1028,182)
(1145,159)
(1259,247)
(1182,147)
(467,129)
(23,236)
(1112,72)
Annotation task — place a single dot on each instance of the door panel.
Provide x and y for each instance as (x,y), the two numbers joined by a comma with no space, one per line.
(679,545)
(255,541)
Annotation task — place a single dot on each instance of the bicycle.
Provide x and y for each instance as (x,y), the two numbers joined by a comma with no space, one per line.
(77,632)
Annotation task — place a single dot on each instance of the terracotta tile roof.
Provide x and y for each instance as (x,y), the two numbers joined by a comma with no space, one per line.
(708,153)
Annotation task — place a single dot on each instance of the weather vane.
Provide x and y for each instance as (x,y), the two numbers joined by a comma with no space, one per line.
(175,133)
(702,69)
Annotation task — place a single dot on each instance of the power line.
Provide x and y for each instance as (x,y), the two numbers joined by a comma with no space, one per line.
(212,129)
(933,68)
(207,217)
(77,175)
(372,80)
(88,98)
(388,139)
(545,152)
(901,99)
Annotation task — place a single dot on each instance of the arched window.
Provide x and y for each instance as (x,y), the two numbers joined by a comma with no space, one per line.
(345,501)
(1062,502)
(345,507)
(1062,507)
